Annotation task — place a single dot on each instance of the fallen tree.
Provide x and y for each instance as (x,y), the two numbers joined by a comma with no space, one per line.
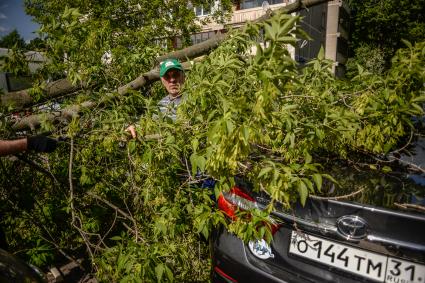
(34,121)
(137,209)
(21,99)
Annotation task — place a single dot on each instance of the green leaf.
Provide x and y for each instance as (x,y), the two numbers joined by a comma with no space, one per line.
(407,43)
(159,271)
(194,163)
(288,25)
(169,273)
(201,163)
(309,184)
(245,131)
(230,126)
(132,146)
(264,171)
(287,40)
(419,109)
(303,192)
(321,54)
(329,177)
(308,158)
(419,99)
(195,144)
(317,178)
(386,169)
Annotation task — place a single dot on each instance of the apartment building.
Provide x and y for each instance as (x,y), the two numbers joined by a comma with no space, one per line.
(327,24)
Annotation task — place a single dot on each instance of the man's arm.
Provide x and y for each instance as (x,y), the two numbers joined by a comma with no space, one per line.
(12,147)
(36,143)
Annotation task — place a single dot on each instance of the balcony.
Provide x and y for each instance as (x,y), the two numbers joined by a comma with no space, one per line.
(240,17)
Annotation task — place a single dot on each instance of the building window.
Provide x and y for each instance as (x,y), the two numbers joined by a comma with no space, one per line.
(344,19)
(16,83)
(342,46)
(248,4)
(200,37)
(202,11)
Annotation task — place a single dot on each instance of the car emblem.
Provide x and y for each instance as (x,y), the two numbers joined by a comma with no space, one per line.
(260,249)
(352,227)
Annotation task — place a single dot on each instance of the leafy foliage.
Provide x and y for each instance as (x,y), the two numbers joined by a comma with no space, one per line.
(12,39)
(138,208)
(15,62)
(82,36)
(386,23)
(370,58)
(36,44)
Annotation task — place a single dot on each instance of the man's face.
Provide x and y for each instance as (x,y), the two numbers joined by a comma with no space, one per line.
(173,81)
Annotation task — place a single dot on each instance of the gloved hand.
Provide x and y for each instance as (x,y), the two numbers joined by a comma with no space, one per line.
(41,143)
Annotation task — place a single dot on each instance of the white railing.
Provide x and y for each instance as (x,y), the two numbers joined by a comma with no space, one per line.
(240,17)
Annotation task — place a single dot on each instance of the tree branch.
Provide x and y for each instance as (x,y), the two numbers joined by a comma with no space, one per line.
(22,98)
(68,113)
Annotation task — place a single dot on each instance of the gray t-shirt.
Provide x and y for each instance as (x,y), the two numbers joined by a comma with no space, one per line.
(168,106)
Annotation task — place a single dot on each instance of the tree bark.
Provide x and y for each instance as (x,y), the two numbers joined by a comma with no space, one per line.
(20,99)
(32,122)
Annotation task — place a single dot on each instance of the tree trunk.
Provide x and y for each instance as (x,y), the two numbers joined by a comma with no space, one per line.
(20,99)
(32,122)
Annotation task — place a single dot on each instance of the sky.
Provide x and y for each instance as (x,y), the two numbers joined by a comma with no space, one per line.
(12,16)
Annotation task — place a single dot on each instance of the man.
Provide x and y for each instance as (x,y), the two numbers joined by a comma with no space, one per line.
(172,77)
(36,143)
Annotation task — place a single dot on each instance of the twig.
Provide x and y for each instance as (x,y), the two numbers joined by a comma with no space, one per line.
(134,222)
(130,159)
(264,148)
(243,165)
(406,145)
(128,228)
(410,206)
(188,169)
(338,197)
(111,205)
(71,187)
(412,165)
(297,96)
(39,168)
(71,196)
(415,167)
(345,103)
(264,190)
(189,179)
(63,253)
(197,181)
(109,230)
(39,224)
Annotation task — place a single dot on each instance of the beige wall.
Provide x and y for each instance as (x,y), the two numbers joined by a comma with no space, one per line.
(240,17)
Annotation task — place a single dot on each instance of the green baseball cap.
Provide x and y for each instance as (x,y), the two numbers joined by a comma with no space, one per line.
(167,65)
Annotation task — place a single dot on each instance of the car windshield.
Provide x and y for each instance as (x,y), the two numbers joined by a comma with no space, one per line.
(398,184)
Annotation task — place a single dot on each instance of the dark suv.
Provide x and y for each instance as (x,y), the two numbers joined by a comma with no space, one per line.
(374,231)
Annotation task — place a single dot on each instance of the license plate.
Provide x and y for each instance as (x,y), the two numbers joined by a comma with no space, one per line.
(360,262)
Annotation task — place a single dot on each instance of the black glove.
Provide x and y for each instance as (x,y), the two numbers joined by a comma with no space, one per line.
(41,144)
